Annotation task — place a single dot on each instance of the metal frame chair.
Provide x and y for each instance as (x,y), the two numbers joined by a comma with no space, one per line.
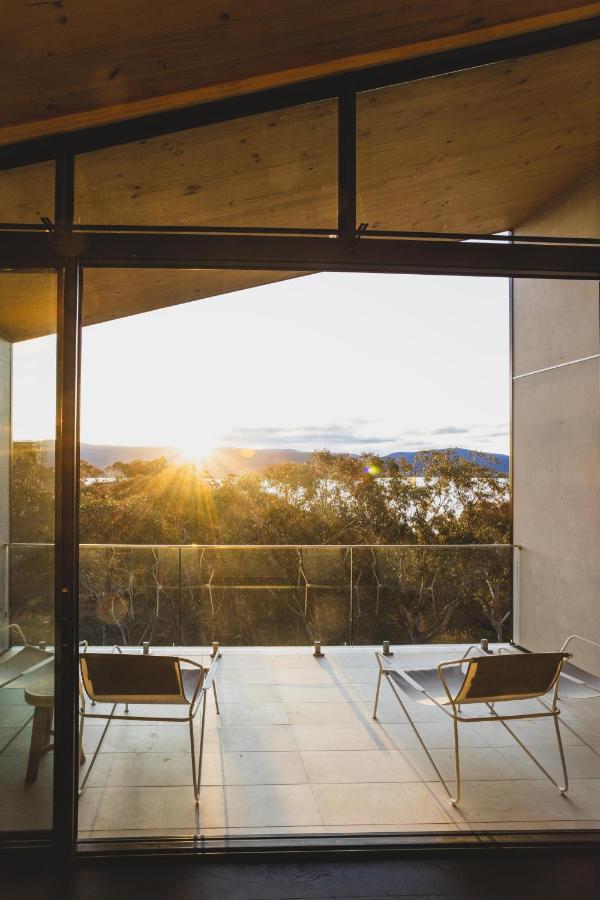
(488,679)
(124,678)
(24,660)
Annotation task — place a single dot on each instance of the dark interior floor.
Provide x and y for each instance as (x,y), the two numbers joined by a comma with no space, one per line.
(502,873)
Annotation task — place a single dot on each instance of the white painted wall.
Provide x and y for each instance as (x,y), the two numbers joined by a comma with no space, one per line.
(556,434)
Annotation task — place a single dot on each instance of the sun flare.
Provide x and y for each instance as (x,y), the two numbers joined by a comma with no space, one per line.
(197,447)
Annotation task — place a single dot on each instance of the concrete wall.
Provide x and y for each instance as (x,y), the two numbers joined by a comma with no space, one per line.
(556,439)
(5,448)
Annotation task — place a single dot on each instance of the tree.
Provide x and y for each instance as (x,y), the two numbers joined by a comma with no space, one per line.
(375,506)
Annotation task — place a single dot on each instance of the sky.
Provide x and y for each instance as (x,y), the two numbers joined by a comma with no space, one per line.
(346,362)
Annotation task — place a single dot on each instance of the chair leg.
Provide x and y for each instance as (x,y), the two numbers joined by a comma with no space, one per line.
(97,750)
(456,799)
(216,698)
(201,749)
(41,719)
(197,772)
(453,800)
(562,788)
(377,693)
(81,751)
(565,785)
(193,755)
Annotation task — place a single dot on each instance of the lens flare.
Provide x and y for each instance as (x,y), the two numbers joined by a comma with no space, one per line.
(371,469)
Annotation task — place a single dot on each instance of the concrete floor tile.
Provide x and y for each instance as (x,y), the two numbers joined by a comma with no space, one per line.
(513,801)
(379,804)
(318,693)
(30,810)
(254,768)
(340,737)
(353,767)
(261,806)
(253,714)
(327,714)
(233,738)
(249,693)
(438,735)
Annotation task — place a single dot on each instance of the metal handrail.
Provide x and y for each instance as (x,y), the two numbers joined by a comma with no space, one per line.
(274,546)
(215,579)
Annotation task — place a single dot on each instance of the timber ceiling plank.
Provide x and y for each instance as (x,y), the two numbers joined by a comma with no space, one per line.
(28,299)
(74,63)
(275,169)
(478,150)
(27,305)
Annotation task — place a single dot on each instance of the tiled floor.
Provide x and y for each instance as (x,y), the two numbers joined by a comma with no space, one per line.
(296,750)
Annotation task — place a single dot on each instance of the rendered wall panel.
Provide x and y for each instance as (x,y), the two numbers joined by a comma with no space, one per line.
(556,441)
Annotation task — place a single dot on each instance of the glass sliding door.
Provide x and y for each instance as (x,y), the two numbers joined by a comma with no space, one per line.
(27,472)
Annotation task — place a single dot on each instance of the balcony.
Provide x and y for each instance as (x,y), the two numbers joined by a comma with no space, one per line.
(295,750)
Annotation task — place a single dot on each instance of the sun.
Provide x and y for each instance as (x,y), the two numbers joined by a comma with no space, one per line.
(197,445)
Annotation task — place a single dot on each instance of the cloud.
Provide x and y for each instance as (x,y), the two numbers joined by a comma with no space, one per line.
(451,429)
(315,435)
(356,435)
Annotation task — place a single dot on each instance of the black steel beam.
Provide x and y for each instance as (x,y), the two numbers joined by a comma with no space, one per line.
(66,757)
(309,91)
(347,166)
(431,257)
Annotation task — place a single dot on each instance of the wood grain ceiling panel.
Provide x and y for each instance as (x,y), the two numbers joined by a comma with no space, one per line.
(28,300)
(479,150)
(27,305)
(275,169)
(27,193)
(74,63)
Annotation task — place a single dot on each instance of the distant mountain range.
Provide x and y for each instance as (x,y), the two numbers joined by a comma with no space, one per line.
(238,461)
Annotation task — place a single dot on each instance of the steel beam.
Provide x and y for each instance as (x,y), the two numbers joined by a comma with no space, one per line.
(309,254)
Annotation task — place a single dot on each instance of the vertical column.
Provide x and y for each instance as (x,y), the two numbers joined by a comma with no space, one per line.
(5,454)
(347,166)
(66,768)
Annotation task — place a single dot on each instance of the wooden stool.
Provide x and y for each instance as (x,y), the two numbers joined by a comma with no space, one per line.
(40,695)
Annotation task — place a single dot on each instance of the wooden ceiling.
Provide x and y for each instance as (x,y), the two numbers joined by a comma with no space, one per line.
(73,63)
(28,299)
(474,151)
(479,150)
(275,169)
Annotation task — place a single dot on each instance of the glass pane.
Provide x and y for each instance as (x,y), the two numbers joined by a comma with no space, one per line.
(27,428)
(240,484)
(432,595)
(276,169)
(483,150)
(27,194)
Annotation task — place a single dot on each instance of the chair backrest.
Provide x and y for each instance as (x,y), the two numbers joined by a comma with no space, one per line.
(509,677)
(125,678)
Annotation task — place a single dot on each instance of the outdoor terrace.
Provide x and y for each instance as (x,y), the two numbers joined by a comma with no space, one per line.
(296,751)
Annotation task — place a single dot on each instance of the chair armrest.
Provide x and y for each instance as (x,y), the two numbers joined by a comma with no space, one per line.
(210,673)
(207,680)
(14,627)
(447,665)
(578,637)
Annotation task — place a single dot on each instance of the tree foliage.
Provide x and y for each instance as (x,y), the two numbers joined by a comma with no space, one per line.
(364,591)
